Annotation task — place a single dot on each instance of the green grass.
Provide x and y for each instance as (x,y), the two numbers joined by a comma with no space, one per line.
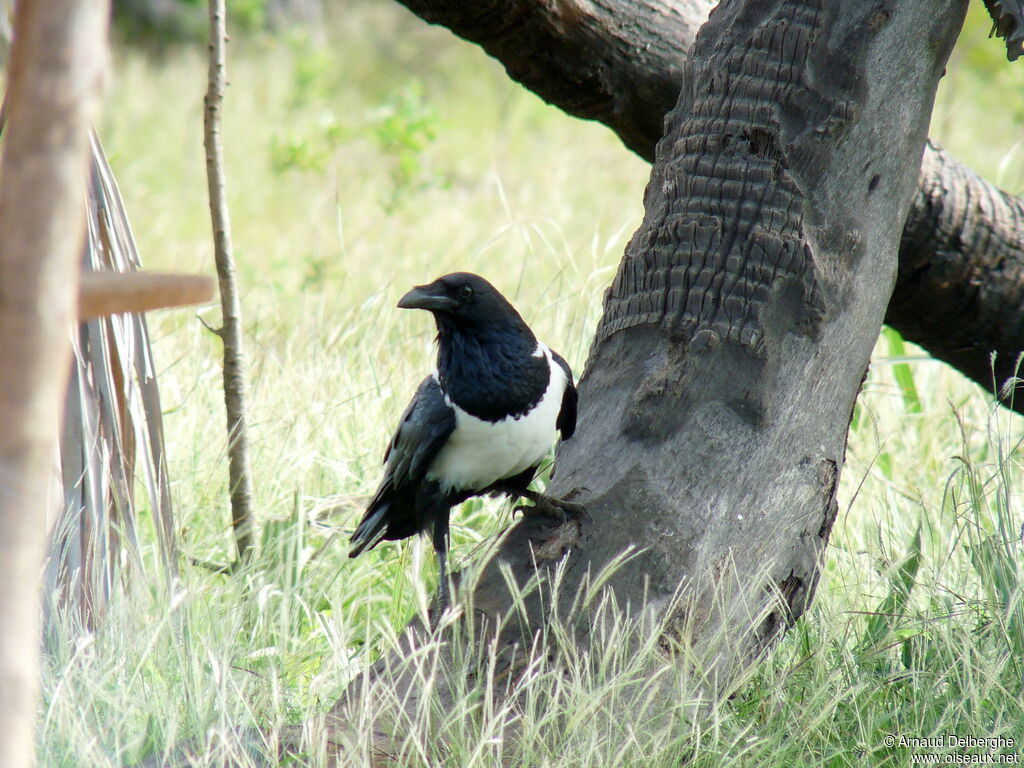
(383,159)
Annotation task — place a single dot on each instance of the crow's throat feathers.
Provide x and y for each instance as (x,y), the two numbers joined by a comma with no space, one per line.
(492,375)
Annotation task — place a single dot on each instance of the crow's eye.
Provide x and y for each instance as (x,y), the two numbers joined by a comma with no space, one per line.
(466,292)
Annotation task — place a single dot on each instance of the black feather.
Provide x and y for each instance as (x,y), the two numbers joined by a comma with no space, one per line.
(566,423)
(422,431)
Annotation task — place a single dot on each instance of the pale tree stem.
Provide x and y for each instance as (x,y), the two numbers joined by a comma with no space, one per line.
(230,332)
(57,62)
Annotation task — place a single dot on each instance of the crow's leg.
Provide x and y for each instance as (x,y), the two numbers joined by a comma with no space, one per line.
(441,550)
(443,597)
(551,506)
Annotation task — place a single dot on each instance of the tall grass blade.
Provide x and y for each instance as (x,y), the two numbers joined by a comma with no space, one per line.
(901,370)
(883,622)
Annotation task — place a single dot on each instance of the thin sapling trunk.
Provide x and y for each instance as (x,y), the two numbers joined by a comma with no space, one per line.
(230,332)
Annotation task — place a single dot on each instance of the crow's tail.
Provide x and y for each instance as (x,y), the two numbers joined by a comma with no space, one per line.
(371,529)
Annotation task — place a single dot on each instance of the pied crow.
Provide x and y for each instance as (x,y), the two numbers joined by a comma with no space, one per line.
(481,423)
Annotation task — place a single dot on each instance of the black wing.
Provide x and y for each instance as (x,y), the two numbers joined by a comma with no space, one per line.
(567,415)
(425,426)
(422,432)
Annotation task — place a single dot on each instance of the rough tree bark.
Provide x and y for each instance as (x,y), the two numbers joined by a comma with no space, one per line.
(717,397)
(230,332)
(962,256)
(57,62)
(960,288)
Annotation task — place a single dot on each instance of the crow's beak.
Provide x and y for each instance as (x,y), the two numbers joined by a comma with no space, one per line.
(432,297)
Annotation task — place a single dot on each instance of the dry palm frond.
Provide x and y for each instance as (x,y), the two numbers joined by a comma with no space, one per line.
(112,431)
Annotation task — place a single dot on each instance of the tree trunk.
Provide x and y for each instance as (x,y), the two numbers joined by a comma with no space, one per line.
(57,61)
(230,332)
(619,63)
(717,397)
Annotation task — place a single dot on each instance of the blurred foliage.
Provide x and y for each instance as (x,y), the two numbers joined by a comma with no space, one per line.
(979,107)
(157,23)
(402,125)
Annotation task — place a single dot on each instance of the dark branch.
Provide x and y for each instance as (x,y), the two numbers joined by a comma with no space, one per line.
(960,288)
(1008,23)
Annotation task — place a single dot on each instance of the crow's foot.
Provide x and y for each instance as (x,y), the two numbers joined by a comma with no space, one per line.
(551,506)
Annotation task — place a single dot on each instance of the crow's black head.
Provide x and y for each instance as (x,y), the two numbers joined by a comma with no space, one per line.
(488,360)
(465,301)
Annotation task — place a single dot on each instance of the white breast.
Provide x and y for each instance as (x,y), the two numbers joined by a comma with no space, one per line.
(480,453)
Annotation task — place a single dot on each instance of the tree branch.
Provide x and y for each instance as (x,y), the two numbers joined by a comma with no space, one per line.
(960,288)
(239,475)
(619,62)
(614,61)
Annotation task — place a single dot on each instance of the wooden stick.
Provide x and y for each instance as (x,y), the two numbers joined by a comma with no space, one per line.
(107,293)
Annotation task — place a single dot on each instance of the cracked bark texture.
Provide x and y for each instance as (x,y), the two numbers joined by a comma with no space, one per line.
(717,396)
(619,63)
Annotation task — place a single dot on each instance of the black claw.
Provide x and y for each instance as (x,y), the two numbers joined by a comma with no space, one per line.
(575,510)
